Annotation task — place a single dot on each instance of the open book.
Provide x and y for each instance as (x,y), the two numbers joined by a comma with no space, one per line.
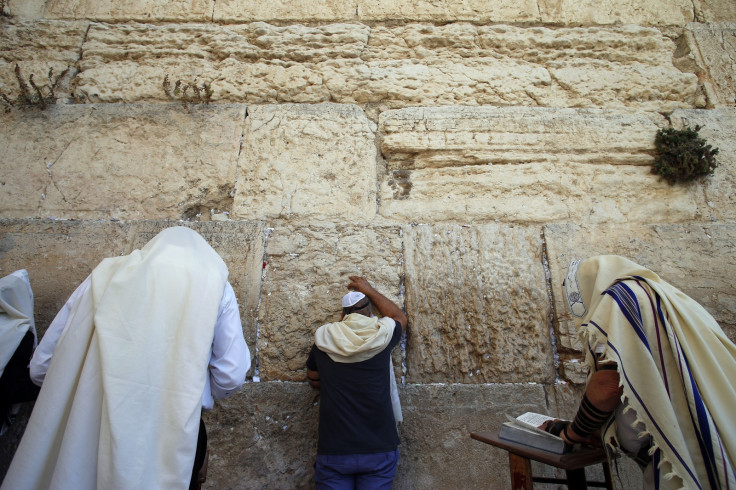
(524,429)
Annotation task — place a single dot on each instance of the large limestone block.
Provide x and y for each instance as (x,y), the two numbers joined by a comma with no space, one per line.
(714,48)
(264,436)
(120,161)
(23,9)
(454,64)
(140,10)
(307,161)
(305,277)
(435,137)
(448,11)
(699,259)
(715,10)
(526,165)
(284,11)
(477,304)
(436,450)
(58,256)
(241,246)
(37,47)
(586,12)
(718,130)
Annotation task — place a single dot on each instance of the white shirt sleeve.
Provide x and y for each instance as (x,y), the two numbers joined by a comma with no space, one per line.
(42,355)
(230,357)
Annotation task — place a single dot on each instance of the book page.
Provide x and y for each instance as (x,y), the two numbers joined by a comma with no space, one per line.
(532,421)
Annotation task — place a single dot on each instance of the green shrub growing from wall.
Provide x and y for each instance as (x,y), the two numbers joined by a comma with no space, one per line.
(682,155)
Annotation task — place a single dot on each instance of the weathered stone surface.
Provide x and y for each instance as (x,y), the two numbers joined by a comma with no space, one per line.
(436,450)
(264,436)
(436,137)
(306,161)
(36,48)
(477,304)
(589,12)
(24,9)
(714,48)
(718,129)
(97,161)
(526,165)
(291,11)
(305,277)
(58,256)
(448,11)
(241,246)
(117,11)
(715,10)
(699,259)
(457,64)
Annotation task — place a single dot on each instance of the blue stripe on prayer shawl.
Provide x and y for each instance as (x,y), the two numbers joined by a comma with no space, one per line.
(703,431)
(629,306)
(622,370)
(702,427)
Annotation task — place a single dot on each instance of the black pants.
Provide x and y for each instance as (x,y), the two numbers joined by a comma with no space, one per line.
(199,455)
(15,383)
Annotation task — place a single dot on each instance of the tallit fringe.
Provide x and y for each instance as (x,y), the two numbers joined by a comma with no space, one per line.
(663,462)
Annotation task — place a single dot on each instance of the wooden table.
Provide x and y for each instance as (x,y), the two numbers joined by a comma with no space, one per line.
(573,463)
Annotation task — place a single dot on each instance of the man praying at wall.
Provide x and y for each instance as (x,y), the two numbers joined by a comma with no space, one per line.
(141,346)
(350,363)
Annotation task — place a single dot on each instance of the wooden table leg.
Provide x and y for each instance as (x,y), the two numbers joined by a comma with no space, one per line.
(521,472)
(576,479)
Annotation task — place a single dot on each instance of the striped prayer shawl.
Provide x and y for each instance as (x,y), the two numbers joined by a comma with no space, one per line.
(660,387)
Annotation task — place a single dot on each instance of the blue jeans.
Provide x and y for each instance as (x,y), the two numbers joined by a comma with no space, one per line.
(355,471)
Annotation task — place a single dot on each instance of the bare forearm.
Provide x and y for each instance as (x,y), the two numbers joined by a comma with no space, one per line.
(385,306)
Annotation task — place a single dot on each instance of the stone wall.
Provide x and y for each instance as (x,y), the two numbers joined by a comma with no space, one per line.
(458,154)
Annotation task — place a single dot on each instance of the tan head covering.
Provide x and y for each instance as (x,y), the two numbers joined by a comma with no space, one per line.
(677,367)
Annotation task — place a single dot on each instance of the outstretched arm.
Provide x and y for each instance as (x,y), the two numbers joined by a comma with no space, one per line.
(385,306)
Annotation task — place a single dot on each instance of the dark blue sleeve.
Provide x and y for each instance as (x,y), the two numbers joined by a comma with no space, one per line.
(311,362)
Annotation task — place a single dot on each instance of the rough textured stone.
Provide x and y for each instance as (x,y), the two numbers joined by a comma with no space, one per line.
(714,49)
(294,10)
(117,11)
(526,165)
(436,450)
(715,10)
(24,9)
(699,259)
(718,129)
(58,256)
(306,275)
(457,64)
(241,246)
(470,292)
(96,161)
(304,161)
(589,12)
(435,137)
(264,436)
(37,47)
(448,11)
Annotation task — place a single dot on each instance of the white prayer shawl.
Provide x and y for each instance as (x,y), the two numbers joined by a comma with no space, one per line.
(120,405)
(16,313)
(358,338)
(676,366)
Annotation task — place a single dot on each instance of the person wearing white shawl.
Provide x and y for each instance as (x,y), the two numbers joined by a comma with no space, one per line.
(138,350)
(350,363)
(662,380)
(17,340)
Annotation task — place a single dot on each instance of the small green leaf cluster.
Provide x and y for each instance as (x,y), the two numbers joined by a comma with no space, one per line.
(682,155)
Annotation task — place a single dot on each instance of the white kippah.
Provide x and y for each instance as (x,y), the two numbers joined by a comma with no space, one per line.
(351,298)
